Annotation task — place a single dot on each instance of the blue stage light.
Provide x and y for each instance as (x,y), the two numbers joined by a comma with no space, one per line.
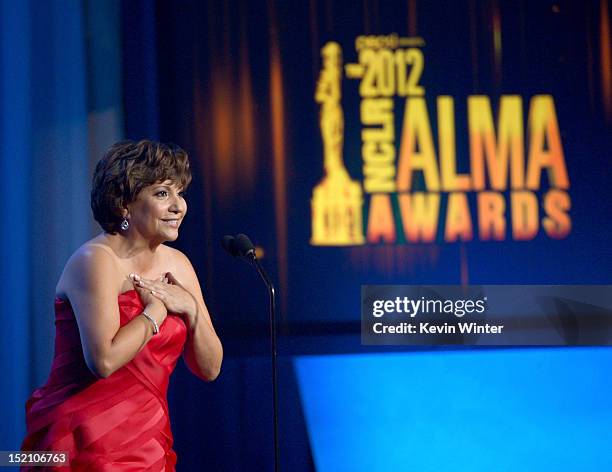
(477,410)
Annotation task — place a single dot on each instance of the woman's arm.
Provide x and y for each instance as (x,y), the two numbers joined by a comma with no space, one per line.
(182,294)
(93,287)
(203,350)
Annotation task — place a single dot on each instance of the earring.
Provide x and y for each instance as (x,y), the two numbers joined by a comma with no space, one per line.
(125,224)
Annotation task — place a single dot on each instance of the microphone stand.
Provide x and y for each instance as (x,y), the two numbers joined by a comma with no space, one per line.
(271,293)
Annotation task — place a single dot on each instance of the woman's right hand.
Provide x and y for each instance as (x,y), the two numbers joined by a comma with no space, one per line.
(153,305)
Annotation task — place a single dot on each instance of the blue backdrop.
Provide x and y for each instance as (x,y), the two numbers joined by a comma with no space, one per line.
(233,83)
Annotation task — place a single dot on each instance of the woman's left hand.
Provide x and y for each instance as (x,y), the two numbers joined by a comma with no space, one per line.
(170,291)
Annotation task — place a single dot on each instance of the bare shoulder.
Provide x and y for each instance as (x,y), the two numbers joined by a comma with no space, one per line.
(177,260)
(91,263)
(181,268)
(185,274)
(92,254)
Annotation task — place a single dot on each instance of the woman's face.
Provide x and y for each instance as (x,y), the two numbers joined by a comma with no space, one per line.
(158,211)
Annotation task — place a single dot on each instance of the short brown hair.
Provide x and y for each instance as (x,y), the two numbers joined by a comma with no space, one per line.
(127,168)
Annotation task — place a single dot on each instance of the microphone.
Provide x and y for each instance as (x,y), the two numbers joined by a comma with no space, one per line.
(229,244)
(244,246)
(241,246)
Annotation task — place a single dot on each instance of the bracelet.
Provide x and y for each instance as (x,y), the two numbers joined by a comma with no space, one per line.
(155,326)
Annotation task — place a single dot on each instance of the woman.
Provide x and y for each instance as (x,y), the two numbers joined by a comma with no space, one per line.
(126,307)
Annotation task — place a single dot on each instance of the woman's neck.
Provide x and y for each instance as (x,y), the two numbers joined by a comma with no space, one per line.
(140,252)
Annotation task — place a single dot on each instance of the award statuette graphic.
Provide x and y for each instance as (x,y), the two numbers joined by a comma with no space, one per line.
(337,200)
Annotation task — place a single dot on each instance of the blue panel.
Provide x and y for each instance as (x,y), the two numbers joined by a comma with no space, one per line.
(14,245)
(501,410)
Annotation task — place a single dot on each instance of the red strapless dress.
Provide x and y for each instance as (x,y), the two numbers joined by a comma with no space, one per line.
(119,423)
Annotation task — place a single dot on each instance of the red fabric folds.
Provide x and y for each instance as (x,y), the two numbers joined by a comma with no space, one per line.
(119,423)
